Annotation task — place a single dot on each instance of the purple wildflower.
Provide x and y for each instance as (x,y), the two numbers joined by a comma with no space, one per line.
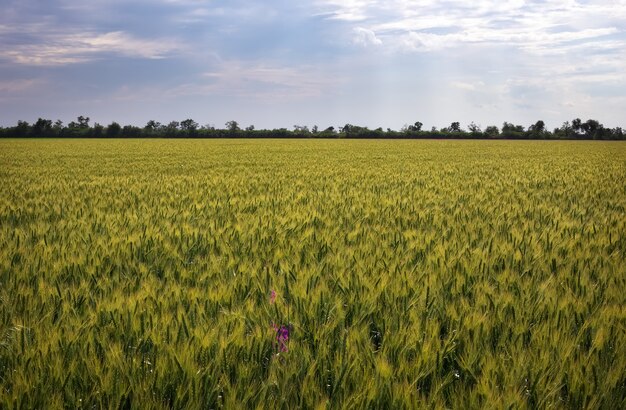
(282,337)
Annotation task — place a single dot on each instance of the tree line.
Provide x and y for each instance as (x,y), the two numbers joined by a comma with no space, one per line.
(81,128)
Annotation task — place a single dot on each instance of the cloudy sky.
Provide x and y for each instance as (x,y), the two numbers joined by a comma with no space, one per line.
(278,63)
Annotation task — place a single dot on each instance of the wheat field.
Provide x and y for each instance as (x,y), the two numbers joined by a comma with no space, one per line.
(312,274)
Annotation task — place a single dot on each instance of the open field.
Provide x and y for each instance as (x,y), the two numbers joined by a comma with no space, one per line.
(462,274)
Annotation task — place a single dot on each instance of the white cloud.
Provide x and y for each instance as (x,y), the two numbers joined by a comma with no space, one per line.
(346,10)
(556,44)
(261,80)
(426,25)
(468,86)
(365,37)
(55,47)
(19,86)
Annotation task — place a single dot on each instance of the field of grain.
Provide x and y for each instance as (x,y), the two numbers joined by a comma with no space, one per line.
(458,274)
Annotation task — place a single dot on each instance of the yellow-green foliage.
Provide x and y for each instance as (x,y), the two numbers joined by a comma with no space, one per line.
(431,274)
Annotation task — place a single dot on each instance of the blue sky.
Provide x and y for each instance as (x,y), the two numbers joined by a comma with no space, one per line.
(280,63)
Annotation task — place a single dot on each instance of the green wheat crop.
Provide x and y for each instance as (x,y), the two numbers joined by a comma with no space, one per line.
(415,274)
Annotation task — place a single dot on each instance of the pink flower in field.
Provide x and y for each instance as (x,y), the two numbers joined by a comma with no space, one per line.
(282,337)
(282,332)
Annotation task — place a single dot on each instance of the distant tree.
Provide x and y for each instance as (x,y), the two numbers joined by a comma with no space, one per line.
(83,122)
(279,133)
(492,131)
(416,127)
(512,131)
(577,125)
(172,129)
(188,125)
(42,128)
(455,127)
(300,129)
(565,131)
(346,128)
(98,131)
(592,129)
(22,128)
(113,130)
(131,131)
(355,131)
(537,130)
(232,126)
(79,128)
(474,129)
(152,126)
